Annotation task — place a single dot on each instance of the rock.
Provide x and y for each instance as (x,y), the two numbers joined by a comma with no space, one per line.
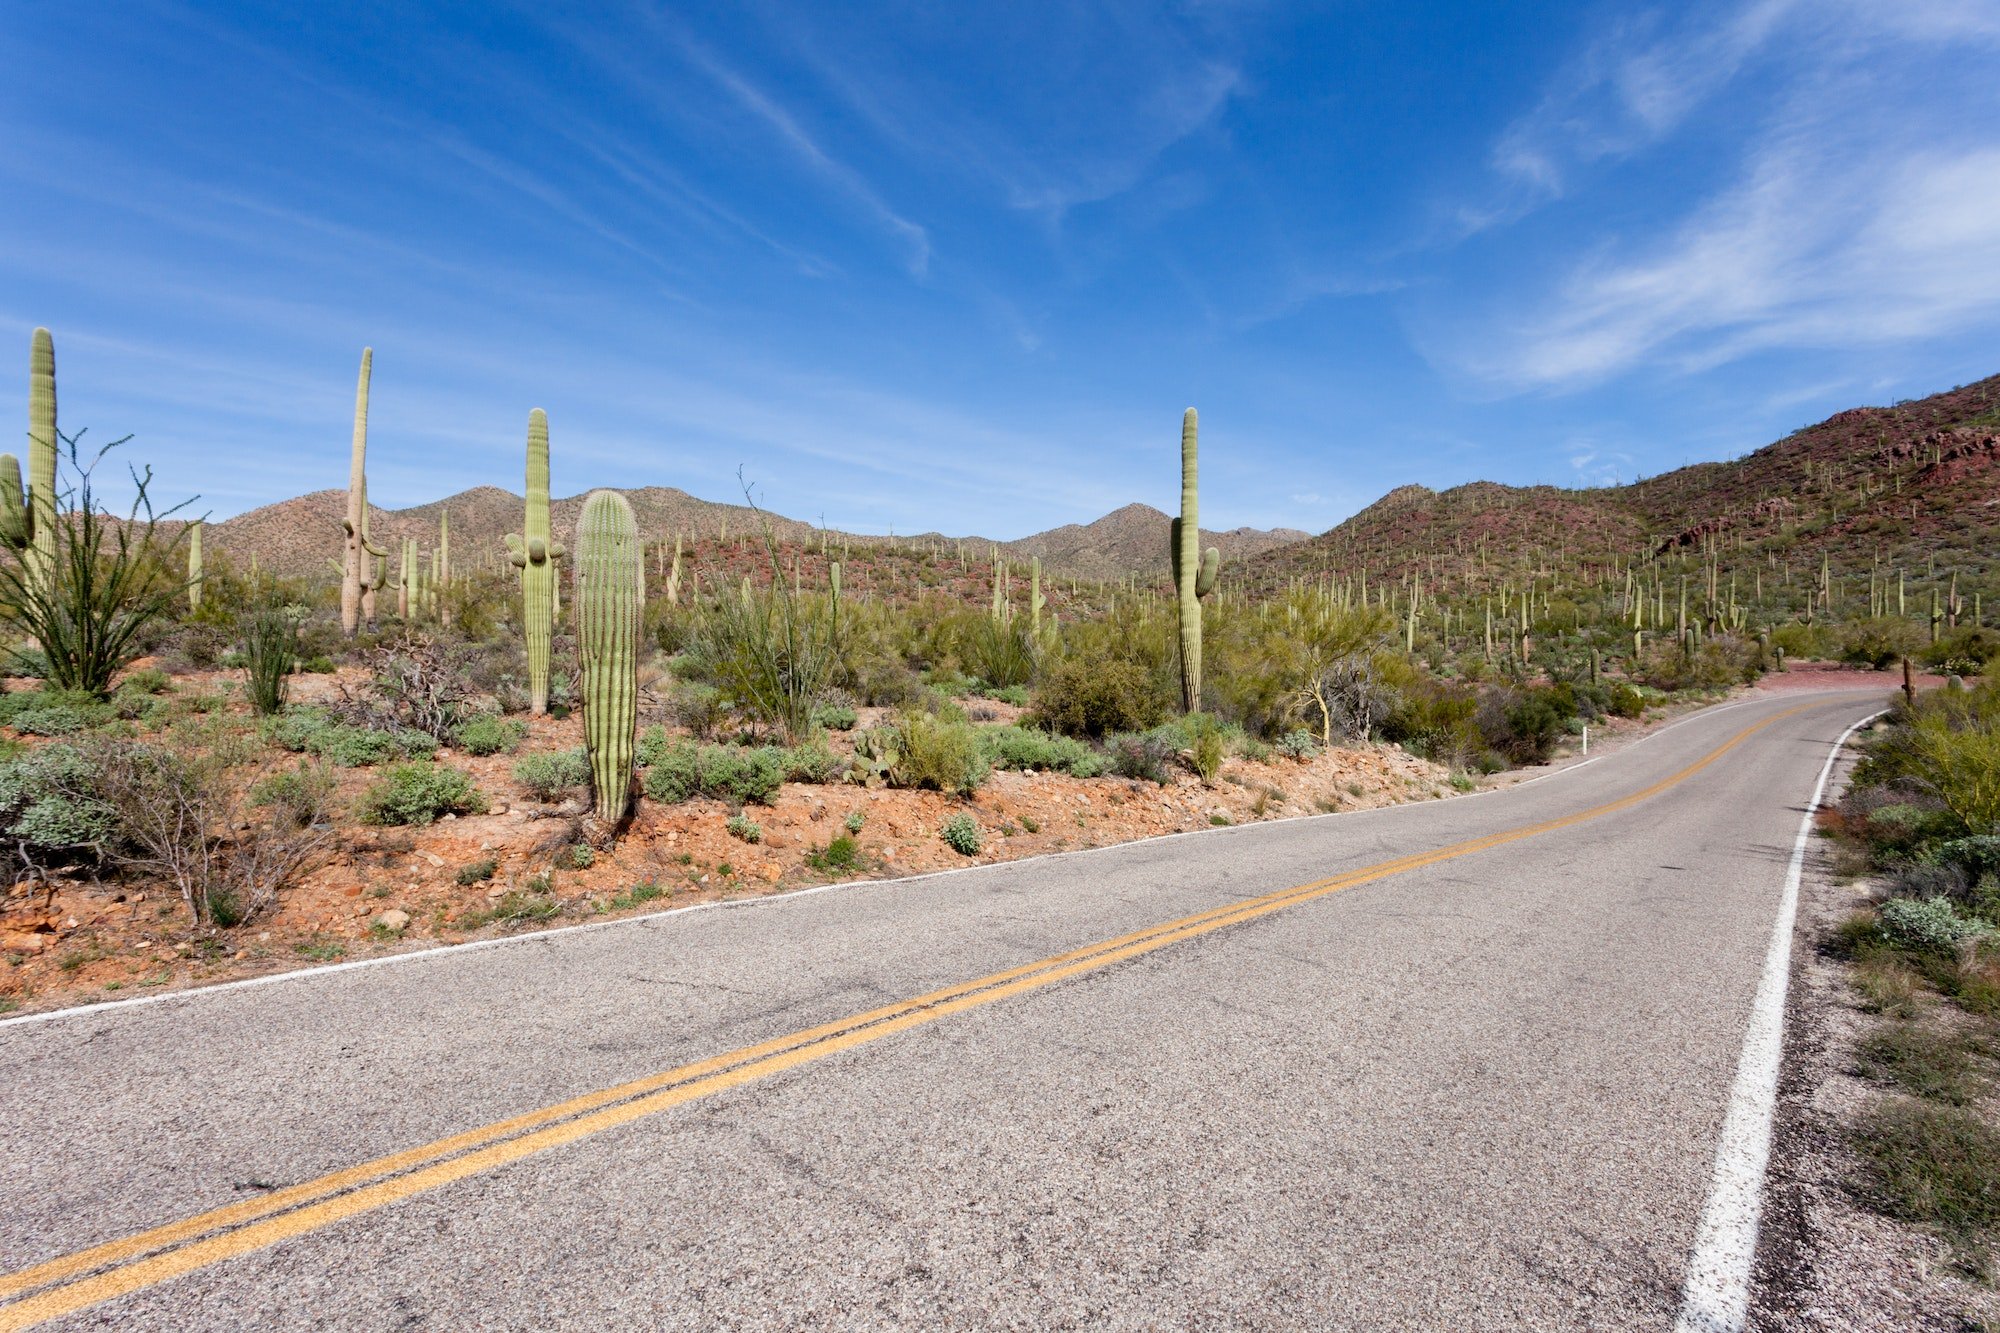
(434,858)
(447,816)
(771,872)
(394,919)
(497,891)
(23,941)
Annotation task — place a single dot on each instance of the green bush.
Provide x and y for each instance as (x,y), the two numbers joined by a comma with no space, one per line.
(1033,751)
(420,794)
(1143,754)
(854,821)
(834,717)
(551,776)
(53,712)
(1091,699)
(841,853)
(309,731)
(1298,744)
(1880,643)
(146,680)
(745,829)
(937,753)
(478,872)
(1627,701)
(812,762)
(682,771)
(45,801)
(1206,748)
(1930,925)
(489,733)
(961,833)
(1961,766)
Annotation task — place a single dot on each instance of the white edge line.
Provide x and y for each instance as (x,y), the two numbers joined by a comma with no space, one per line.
(1715,1295)
(192,993)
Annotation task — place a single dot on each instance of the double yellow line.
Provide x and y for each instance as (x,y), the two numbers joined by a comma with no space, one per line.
(104,1272)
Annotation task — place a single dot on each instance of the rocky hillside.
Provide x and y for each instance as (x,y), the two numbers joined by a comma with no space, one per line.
(1906,485)
(299,536)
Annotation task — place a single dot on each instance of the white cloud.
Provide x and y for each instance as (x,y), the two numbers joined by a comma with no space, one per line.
(1859,216)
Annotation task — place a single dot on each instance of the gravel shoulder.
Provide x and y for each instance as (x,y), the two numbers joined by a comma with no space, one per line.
(1826,1263)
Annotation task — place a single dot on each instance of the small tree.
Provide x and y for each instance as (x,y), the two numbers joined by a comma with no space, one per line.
(109,578)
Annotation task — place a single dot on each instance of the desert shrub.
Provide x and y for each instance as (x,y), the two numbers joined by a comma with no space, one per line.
(551,776)
(270,652)
(1143,754)
(834,717)
(813,762)
(1093,699)
(961,833)
(1001,653)
(146,680)
(938,753)
(576,856)
(476,872)
(48,806)
(489,733)
(773,654)
(420,683)
(699,709)
(1626,700)
(1930,925)
(1206,747)
(854,821)
(1880,643)
(745,829)
(840,853)
(1030,750)
(53,711)
(1524,725)
(1437,719)
(109,580)
(682,771)
(1298,744)
(24,660)
(295,796)
(420,794)
(310,731)
(1966,651)
(1960,766)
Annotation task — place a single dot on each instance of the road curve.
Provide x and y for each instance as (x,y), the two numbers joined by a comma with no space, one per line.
(1454,1065)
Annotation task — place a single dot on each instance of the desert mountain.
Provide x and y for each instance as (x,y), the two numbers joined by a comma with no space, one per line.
(1905,486)
(300,536)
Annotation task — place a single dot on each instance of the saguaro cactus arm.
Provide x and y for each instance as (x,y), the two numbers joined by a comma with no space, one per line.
(17,519)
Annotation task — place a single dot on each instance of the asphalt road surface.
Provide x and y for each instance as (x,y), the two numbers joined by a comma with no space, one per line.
(1471,1075)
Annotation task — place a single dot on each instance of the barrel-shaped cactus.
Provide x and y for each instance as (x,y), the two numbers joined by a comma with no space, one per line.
(1195,570)
(610,603)
(535,554)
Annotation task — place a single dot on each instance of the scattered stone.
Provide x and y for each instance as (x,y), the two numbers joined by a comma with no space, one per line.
(394,919)
(434,858)
(23,941)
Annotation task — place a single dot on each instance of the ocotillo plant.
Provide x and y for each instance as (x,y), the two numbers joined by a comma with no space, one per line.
(1195,571)
(194,565)
(535,554)
(358,574)
(610,599)
(40,518)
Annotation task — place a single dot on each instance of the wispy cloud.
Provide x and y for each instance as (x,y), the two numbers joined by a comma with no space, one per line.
(1853,220)
(913,237)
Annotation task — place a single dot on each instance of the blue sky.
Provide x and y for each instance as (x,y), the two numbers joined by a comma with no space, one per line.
(958,266)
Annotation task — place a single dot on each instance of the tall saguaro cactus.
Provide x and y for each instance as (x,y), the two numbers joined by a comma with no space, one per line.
(360,575)
(610,599)
(1195,570)
(42,441)
(535,554)
(194,565)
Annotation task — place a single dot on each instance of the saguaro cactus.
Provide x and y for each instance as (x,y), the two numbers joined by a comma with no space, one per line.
(360,575)
(1036,602)
(42,439)
(194,565)
(610,599)
(535,554)
(1195,570)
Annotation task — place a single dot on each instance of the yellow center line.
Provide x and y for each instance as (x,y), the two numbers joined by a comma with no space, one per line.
(161,1253)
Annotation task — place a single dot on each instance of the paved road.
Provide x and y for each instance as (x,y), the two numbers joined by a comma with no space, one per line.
(1481,1092)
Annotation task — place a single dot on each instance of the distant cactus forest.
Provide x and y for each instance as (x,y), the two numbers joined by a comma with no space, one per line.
(421,723)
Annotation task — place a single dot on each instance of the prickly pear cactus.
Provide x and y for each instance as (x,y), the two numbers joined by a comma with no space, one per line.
(535,554)
(610,602)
